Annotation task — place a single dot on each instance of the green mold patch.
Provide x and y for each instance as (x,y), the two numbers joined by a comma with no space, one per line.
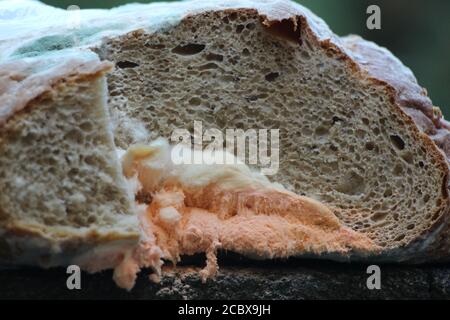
(58,42)
(44,45)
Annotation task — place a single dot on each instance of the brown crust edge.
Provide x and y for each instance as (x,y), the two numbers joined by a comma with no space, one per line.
(76,72)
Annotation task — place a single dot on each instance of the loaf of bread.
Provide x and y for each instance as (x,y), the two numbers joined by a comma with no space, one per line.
(86,175)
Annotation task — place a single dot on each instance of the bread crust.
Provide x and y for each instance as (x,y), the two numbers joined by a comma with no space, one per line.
(20,86)
(26,245)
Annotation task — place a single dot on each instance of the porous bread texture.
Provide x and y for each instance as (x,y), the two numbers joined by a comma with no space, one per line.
(413,99)
(344,139)
(383,65)
(60,178)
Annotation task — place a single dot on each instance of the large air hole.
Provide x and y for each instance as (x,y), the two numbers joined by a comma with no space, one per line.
(272,76)
(398,142)
(189,49)
(370,146)
(126,64)
(288,28)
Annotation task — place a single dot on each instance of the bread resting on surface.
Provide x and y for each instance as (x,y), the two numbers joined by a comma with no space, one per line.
(356,145)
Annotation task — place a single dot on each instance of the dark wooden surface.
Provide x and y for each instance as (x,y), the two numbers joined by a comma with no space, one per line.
(240,279)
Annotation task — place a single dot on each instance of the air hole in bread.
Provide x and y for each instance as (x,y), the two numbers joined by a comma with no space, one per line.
(397,142)
(370,146)
(388,193)
(195,101)
(155,46)
(288,28)
(214,57)
(189,49)
(272,76)
(336,120)
(250,26)
(208,66)
(126,64)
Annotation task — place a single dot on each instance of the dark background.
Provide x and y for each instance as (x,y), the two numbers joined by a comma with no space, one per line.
(416,31)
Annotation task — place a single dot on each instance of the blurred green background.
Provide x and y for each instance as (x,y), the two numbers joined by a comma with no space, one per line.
(417,31)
